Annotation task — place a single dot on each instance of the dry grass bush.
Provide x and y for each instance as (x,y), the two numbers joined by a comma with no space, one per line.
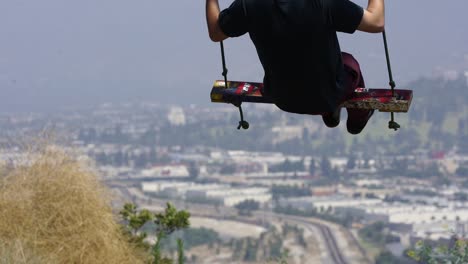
(54,210)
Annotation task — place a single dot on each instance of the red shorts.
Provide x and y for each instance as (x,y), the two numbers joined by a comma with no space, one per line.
(353,75)
(353,79)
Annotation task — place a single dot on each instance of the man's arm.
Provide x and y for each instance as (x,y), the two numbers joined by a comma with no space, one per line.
(212,15)
(373,20)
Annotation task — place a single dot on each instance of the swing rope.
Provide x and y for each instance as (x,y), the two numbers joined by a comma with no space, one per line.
(391,124)
(242,123)
(225,70)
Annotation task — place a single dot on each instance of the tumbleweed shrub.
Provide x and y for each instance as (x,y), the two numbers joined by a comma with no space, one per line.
(53,209)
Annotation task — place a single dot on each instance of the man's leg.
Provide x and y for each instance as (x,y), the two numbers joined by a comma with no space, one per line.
(352,80)
(357,118)
(332,119)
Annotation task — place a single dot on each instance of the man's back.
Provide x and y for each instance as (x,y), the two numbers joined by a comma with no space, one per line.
(297,45)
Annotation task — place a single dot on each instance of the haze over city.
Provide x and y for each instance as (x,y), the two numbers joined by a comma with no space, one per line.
(56,54)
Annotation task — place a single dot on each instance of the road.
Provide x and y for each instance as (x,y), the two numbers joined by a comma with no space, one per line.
(328,239)
(334,254)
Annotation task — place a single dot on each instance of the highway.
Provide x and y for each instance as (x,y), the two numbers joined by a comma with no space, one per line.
(333,255)
(333,249)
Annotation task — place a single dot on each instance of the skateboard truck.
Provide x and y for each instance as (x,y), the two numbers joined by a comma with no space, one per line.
(393,125)
(242,123)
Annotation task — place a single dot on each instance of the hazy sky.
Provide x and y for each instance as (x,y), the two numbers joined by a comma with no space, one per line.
(60,53)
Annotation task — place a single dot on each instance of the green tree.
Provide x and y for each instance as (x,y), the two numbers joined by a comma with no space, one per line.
(312,169)
(228,169)
(134,222)
(373,233)
(246,207)
(193,169)
(289,191)
(251,250)
(351,164)
(387,257)
(462,171)
(198,236)
(325,167)
(424,253)
(166,223)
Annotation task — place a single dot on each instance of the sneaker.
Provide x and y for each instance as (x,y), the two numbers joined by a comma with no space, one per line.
(332,119)
(357,120)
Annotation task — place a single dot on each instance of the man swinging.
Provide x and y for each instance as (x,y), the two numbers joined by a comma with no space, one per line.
(296,41)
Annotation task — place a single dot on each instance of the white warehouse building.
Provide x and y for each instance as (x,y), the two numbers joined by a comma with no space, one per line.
(332,202)
(166,171)
(219,193)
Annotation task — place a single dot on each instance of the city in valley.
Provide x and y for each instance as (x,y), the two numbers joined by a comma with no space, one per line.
(286,189)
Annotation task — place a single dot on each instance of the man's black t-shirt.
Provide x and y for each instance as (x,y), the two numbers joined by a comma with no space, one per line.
(298,47)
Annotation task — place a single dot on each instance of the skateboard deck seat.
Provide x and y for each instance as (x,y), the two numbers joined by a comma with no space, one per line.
(363,98)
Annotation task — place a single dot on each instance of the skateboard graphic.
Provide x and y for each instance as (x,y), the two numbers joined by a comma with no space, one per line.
(363,98)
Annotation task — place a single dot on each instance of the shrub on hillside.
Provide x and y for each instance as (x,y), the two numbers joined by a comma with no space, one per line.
(54,210)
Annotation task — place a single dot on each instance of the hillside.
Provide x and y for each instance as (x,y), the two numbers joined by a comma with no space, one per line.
(54,210)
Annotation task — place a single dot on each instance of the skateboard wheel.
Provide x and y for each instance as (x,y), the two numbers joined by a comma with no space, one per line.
(243,125)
